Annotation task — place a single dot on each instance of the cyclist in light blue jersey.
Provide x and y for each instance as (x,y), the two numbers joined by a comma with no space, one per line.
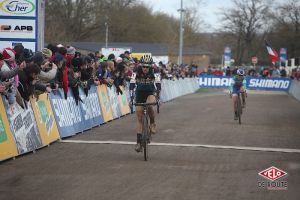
(238,85)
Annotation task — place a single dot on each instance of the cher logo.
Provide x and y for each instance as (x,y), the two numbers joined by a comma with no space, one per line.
(17,7)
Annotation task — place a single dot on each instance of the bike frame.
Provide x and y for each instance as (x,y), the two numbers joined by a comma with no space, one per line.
(146,134)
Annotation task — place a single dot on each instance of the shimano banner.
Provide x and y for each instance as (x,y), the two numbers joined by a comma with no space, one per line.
(214,81)
(277,84)
(252,83)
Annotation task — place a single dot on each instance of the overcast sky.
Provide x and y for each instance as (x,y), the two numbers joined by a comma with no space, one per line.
(208,10)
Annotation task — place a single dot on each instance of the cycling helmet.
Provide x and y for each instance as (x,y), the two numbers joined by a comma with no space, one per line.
(146,60)
(241,72)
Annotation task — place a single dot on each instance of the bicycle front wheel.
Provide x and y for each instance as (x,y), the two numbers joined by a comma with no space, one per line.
(145,138)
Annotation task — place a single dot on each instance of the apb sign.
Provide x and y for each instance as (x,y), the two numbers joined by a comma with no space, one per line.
(18,23)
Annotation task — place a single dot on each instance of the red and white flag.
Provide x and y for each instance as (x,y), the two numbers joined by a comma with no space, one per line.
(273,54)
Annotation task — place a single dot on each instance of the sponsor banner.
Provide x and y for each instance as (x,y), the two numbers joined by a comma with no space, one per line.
(227,56)
(90,108)
(104,102)
(277,84)
(12,44)
(214,81)
(18,28)
(8,146)
(124,106)
(163,59)
(67,114)
(127,92)
(24,8)
(254,83)
(45,119)
(23,126)
(139,55)
(114,103)
(117,51)
(283,54)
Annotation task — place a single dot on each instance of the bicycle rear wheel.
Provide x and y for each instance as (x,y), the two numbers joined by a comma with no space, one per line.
(145,138)
(239,109)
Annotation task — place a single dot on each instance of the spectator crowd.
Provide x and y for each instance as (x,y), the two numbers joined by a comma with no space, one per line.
(265,72)
(24,73)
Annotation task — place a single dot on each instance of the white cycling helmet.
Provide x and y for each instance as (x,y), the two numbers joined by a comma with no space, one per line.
(241,72)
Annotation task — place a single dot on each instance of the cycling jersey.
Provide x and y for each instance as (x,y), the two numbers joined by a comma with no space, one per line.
(146,84)
(237,83)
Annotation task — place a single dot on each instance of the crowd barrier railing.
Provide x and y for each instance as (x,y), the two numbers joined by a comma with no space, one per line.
(52,117)
(295,89)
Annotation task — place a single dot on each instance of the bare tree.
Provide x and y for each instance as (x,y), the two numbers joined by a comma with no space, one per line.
(244,22)
(287,26)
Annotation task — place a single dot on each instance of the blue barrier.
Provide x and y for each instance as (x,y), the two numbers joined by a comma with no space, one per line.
(252,83)
(72,118)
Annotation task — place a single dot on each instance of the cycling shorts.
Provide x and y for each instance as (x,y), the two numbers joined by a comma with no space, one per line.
(236,90)
(141,96)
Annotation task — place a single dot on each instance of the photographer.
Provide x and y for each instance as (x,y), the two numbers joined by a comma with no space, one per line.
(28,82)
(48,68)
(86,79)
(74,77)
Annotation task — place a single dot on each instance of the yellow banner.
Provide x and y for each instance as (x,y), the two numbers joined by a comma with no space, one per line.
(123,102)
(105,105)
(139,55)
(8,148)
(45,119)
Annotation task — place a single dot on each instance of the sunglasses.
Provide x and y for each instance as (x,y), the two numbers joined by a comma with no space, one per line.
(146,66)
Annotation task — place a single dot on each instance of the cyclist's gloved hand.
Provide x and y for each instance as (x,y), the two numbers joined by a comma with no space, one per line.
(119,91)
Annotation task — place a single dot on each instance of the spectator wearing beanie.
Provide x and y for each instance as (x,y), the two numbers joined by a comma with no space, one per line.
(6,75)
(70,55)
(9,65)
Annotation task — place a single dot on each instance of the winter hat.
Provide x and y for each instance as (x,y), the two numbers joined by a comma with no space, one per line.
(38,58)
(28,55)
(8,54)
(47,52)
(119,59)
(71,50)
(58,57)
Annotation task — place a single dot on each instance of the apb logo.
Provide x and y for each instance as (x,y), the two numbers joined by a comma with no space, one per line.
(16,28)
(272,173)
(17,7)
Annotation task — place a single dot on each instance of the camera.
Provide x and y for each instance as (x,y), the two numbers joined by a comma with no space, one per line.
(53,86)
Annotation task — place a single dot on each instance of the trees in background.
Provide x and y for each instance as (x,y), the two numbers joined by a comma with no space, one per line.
(245,25)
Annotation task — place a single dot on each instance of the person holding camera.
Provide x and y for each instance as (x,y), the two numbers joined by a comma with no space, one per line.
(29,82)
(48,68)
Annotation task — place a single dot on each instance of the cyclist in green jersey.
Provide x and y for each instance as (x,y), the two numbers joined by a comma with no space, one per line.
(147,85)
